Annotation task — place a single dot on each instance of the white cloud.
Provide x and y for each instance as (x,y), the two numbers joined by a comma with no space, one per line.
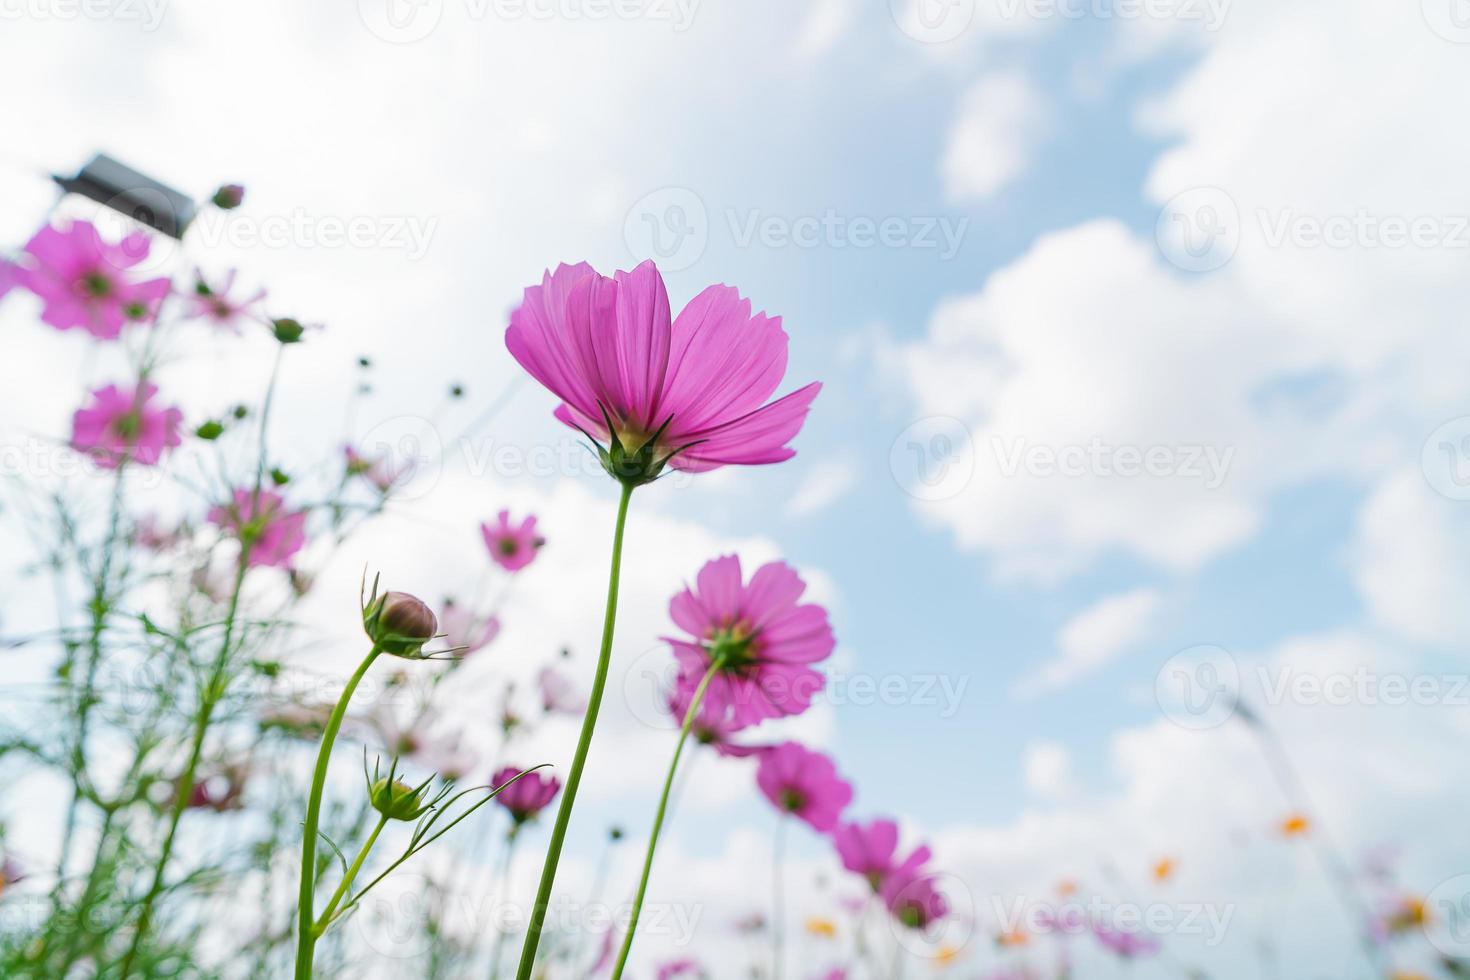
(1002,120)
(1047,769)
(1093,638)
(825,483)
(1410,560)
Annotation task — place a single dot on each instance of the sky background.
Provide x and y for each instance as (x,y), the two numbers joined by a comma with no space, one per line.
(1228,234)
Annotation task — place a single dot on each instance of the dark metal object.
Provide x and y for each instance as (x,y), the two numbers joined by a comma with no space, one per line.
(123,189)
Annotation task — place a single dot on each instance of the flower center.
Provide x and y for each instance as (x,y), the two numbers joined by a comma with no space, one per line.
(126,427)
(508,547)
(793,800)
(96,285)
(731,646)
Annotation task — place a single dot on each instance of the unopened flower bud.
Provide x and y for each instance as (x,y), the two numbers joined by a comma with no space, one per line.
(397,800)
(228,197)
(400,624)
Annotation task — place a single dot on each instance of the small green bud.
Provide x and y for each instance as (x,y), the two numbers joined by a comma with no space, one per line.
(228,197)
(397,800)
(279,477)
(210,431)
(400,624)
(288,330)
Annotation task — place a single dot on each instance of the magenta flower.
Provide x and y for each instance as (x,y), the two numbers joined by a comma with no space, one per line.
(690,392)
(214,303)
(120,425)
(270,534)
(911,894)
(464,631)
(82,280)
(527,796)
(558,696)
(379,472)
(871,849)
(9,276)
(803,783)
(715,723)
(1127,945)
(512,547)
(763,640)
(674,969)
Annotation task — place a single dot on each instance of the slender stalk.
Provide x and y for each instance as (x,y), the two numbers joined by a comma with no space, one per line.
(778,911)
(306,934)
(348,878)
(503,879)
(658,818)
(584,743)
(213,692)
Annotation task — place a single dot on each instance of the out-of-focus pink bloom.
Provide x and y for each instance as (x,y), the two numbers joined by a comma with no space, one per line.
(448,756)
(512,546)
(679,968)
(149,532)
(696,386)
(8,276)
(1128,945)
(870,849)
(83,282)
(714,725)
(804,784)
(380,472)
(911,894)
(558,696)
(836,973)
(763,639)
(750,923)
(295,718)
(269,532)
(221,791)
(121,425)
(11,873)
(464,631)
(214,303)
(528,795)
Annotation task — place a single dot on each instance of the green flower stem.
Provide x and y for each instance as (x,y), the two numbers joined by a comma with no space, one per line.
(584,743)
(658,818)
(778,905)
(213,692)
(348,878)
(503,878)
(306,932)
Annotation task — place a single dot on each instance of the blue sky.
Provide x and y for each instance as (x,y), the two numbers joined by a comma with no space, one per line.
(1054,143)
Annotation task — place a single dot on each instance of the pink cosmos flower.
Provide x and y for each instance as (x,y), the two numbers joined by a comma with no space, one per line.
(1128,945)
(871,849)
(214,303)
(803,783)
(679,968)
(558,697)
(120,425)
(82,280)
(464,631)
(151,533)
(714,725)
(269,532)
(911,894)
(689,391)
(379,472)
(512,547)
(528,795)
(762,638)
(8,276)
